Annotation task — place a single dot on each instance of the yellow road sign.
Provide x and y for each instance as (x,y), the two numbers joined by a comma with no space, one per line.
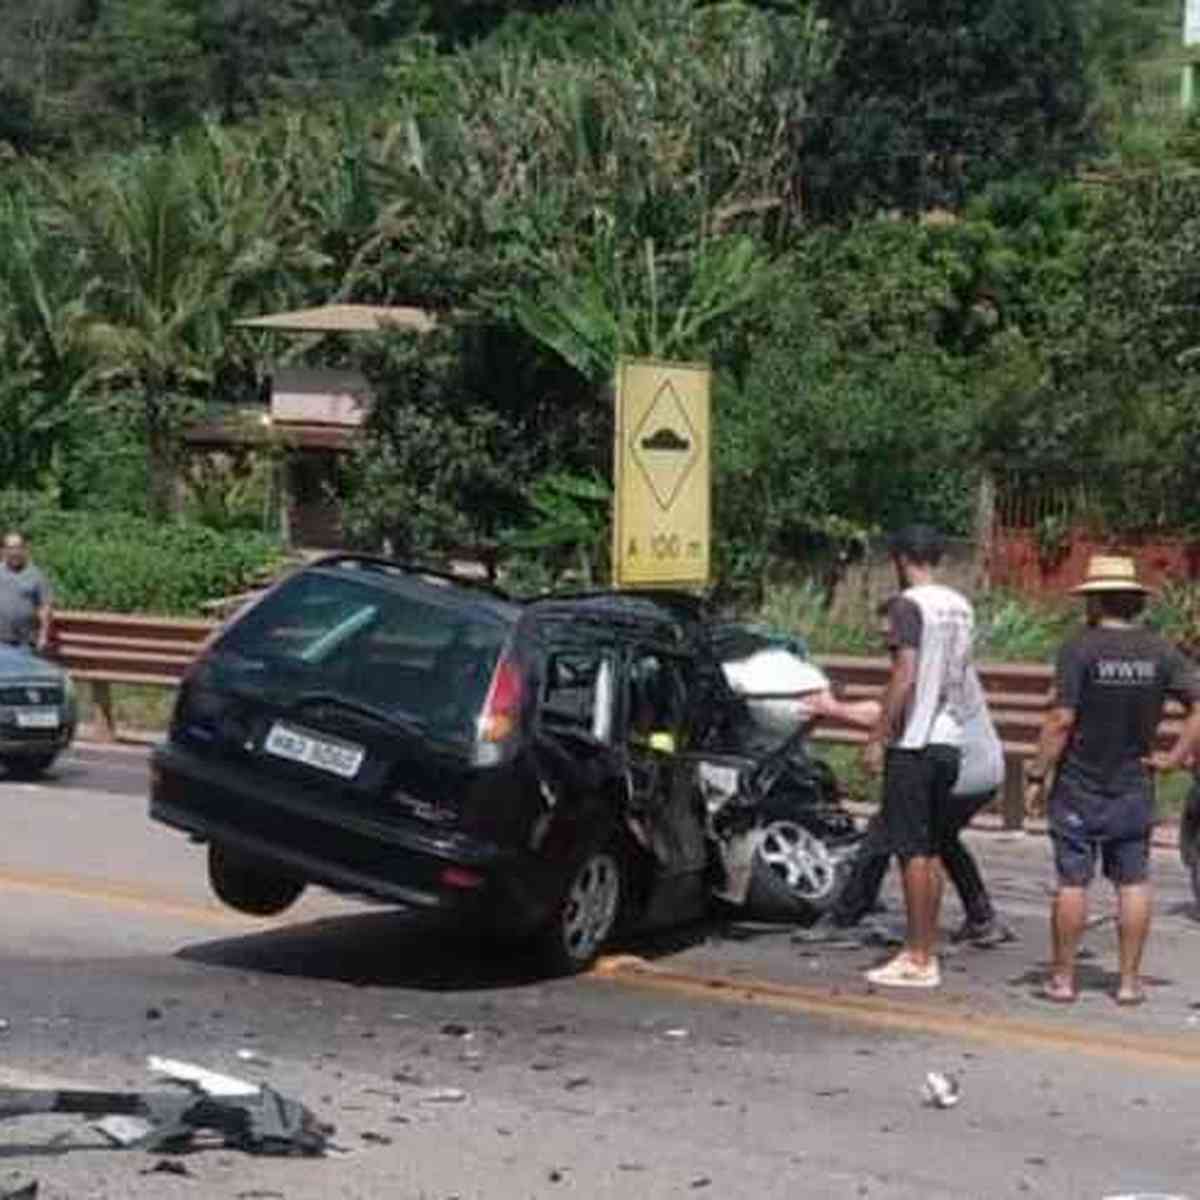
(661,505)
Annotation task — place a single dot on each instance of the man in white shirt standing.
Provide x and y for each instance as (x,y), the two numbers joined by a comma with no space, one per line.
(917,740)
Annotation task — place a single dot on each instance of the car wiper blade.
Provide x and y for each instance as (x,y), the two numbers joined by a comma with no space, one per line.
(379,715)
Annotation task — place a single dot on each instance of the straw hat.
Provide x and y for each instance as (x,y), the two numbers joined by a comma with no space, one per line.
(1110,573)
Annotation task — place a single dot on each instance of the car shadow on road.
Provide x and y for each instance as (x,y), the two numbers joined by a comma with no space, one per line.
(376,949)
(390,949)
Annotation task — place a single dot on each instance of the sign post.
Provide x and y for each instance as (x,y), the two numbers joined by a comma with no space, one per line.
(661,507)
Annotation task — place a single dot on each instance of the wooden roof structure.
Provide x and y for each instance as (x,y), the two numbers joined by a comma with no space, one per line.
(345,318)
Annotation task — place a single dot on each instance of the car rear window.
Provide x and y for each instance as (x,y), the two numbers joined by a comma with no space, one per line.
(406,649)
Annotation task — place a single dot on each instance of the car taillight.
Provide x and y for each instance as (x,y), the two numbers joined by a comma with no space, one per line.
(502,708)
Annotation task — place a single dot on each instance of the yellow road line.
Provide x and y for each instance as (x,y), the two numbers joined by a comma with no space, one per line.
(894,1013)
(126,896)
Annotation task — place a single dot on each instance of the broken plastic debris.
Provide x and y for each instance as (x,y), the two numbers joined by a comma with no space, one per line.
(677,1034)
(261,1122)
(210,1082)
(447,1095)
(124,1131)
(940,1091)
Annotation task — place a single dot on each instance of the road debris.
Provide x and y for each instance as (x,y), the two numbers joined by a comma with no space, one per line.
(446,1095)
(940,1090)
(257,1120)
(678,1035)
(167,1166)
(27,1191)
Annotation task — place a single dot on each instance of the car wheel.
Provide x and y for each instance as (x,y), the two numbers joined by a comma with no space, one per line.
(250,885)
(794,875)
(29,766)
(587,915)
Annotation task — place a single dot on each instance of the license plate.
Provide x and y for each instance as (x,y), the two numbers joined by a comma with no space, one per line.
(37,718)
(297,745)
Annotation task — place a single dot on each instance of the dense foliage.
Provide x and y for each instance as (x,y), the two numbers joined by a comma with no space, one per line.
(900,232)
(124,563)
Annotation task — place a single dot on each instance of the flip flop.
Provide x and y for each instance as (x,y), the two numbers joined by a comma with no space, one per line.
(1058,994)
(1132,1000)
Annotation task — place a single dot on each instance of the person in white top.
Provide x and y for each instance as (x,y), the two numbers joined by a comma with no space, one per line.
(917,741)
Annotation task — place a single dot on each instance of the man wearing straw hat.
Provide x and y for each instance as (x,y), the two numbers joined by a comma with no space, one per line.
(1111,682)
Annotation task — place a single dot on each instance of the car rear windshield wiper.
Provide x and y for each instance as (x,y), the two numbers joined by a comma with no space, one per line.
(379,715)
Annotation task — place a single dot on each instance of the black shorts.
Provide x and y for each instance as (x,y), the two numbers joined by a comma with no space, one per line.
(916,794)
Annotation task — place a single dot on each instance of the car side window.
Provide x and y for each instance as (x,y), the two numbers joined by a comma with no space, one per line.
(578,693)
(656,699)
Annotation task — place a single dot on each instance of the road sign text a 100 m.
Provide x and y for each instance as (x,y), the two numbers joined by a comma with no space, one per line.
(661,469)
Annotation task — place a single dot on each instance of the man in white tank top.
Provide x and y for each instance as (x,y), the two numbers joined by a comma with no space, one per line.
(917,740)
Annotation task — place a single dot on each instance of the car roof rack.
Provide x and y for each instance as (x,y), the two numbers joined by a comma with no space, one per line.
(375,562)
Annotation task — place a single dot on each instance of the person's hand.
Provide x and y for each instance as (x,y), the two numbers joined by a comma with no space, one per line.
(872,758)
(1161,762)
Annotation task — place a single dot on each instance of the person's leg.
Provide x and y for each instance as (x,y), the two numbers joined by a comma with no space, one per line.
(960,863)
(1068,915)
(906,809)
(861,891)
(920,904)
(1126,864)
(1133,928)
(1074,860)
(942,763)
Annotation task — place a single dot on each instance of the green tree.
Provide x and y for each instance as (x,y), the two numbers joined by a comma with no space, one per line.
(169,241)
(144,58)
(43,301)
(931,99)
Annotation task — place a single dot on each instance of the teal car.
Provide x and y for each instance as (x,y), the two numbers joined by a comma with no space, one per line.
(38,712)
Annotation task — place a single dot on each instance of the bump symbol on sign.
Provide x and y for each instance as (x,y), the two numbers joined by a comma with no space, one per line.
(665,446)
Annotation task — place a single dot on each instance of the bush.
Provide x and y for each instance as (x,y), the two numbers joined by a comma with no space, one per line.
(122,563)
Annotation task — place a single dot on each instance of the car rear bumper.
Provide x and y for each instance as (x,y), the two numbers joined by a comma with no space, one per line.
(302,832)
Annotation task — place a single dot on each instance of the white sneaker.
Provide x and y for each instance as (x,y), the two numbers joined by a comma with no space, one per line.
(901,971)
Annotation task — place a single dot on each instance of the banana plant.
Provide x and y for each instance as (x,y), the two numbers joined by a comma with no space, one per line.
(571,522)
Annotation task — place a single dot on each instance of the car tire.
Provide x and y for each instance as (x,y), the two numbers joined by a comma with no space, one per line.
(250,885)
(28,766)
(587,914)
(794,875)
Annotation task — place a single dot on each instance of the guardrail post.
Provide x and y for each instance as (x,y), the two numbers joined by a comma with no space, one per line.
(1013,800)
(104,715)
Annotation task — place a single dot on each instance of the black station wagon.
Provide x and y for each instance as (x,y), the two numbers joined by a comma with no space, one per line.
(388,731)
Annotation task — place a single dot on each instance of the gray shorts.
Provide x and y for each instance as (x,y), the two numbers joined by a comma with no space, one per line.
(1126,861)
(1086,825)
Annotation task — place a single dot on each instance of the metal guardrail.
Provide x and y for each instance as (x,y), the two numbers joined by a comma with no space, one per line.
(1018,696)
(102,649)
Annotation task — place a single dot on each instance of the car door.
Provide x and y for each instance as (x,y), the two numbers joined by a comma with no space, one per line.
(663,811)
(577,761)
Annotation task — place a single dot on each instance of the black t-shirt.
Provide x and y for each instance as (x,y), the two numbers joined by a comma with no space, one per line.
(1116,680)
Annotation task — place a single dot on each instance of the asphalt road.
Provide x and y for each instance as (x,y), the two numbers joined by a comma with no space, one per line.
(725,1061)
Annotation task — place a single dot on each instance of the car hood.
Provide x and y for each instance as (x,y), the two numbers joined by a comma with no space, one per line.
(18,663)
